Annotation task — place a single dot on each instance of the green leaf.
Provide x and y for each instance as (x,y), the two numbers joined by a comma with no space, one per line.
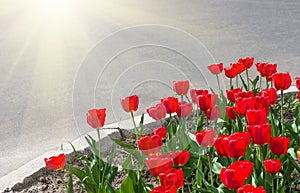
(244,84)
(123,144)
(127,164)
(70,184)
(216,167)
(77,172)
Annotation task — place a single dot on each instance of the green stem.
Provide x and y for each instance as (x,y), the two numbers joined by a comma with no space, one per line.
(136,130)
(267,83)
(99,144)
(248,81)
(181,96)
(63,180)
(260,80)
(218,84)
(210,167)
(282,118)
(272,183)
(231,86)
(199,166)
(237,81)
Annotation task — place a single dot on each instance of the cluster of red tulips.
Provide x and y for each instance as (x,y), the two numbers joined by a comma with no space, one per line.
(249,137)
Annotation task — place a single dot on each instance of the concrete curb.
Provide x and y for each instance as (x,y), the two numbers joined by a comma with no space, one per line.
(22,175)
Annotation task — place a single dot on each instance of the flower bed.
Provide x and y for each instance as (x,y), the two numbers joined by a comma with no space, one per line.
(246,140)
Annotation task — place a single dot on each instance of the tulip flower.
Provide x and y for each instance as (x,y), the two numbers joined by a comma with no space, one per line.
(248,188)
(298,155)
(56,163)
(271,93)
(260,134)
(164,189)
(96,117)
(230,72)
(299,96)
(130,103)
(232,178)
(159,164)
(206,102)
(267,70)
(282,80)
(244,104)
(181,87)
(195,93)
(233,146)
(239,67)
(184,109)
(279,145)
(231,94)
(180,158)
(231,112)
(157,112)
(206,138)
(244,166)
(172,177)
(215,68)
(213,113)
(170,104)
(256,117)
(272,166)
(221,145)
(150,145)
(161,131)
(297,82)
(244,94)
(247,62)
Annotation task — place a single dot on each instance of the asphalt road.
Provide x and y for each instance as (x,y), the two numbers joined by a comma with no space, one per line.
(60,57)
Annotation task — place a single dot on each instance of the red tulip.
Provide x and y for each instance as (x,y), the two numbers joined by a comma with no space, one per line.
(184,109)
(216,68)
(237,144)
(172,177)
(158,164)
(161,131)
(298,154)
(231,94)
(244,166)
(297,82)
(248,188)
(206,138)
(267,70)
(130,103)
(56,163)
(195,93)
(299,96)
(244,104)
(96,117)
(170,104)
(272,166)
(230,72)
(279,145)
(180,158)
(164,189)
(181,87)
(248,62)
(233,146)
(244,94)
(260,134)
(256,117)
(231,178)
(213,113)
(157,112)
(239,67)
(231,112)
(150,145)
(262,103)
(206,102)
(221,145)
(282,80)
(271,93)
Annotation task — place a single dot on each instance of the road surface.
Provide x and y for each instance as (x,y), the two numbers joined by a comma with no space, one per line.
(47,48)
